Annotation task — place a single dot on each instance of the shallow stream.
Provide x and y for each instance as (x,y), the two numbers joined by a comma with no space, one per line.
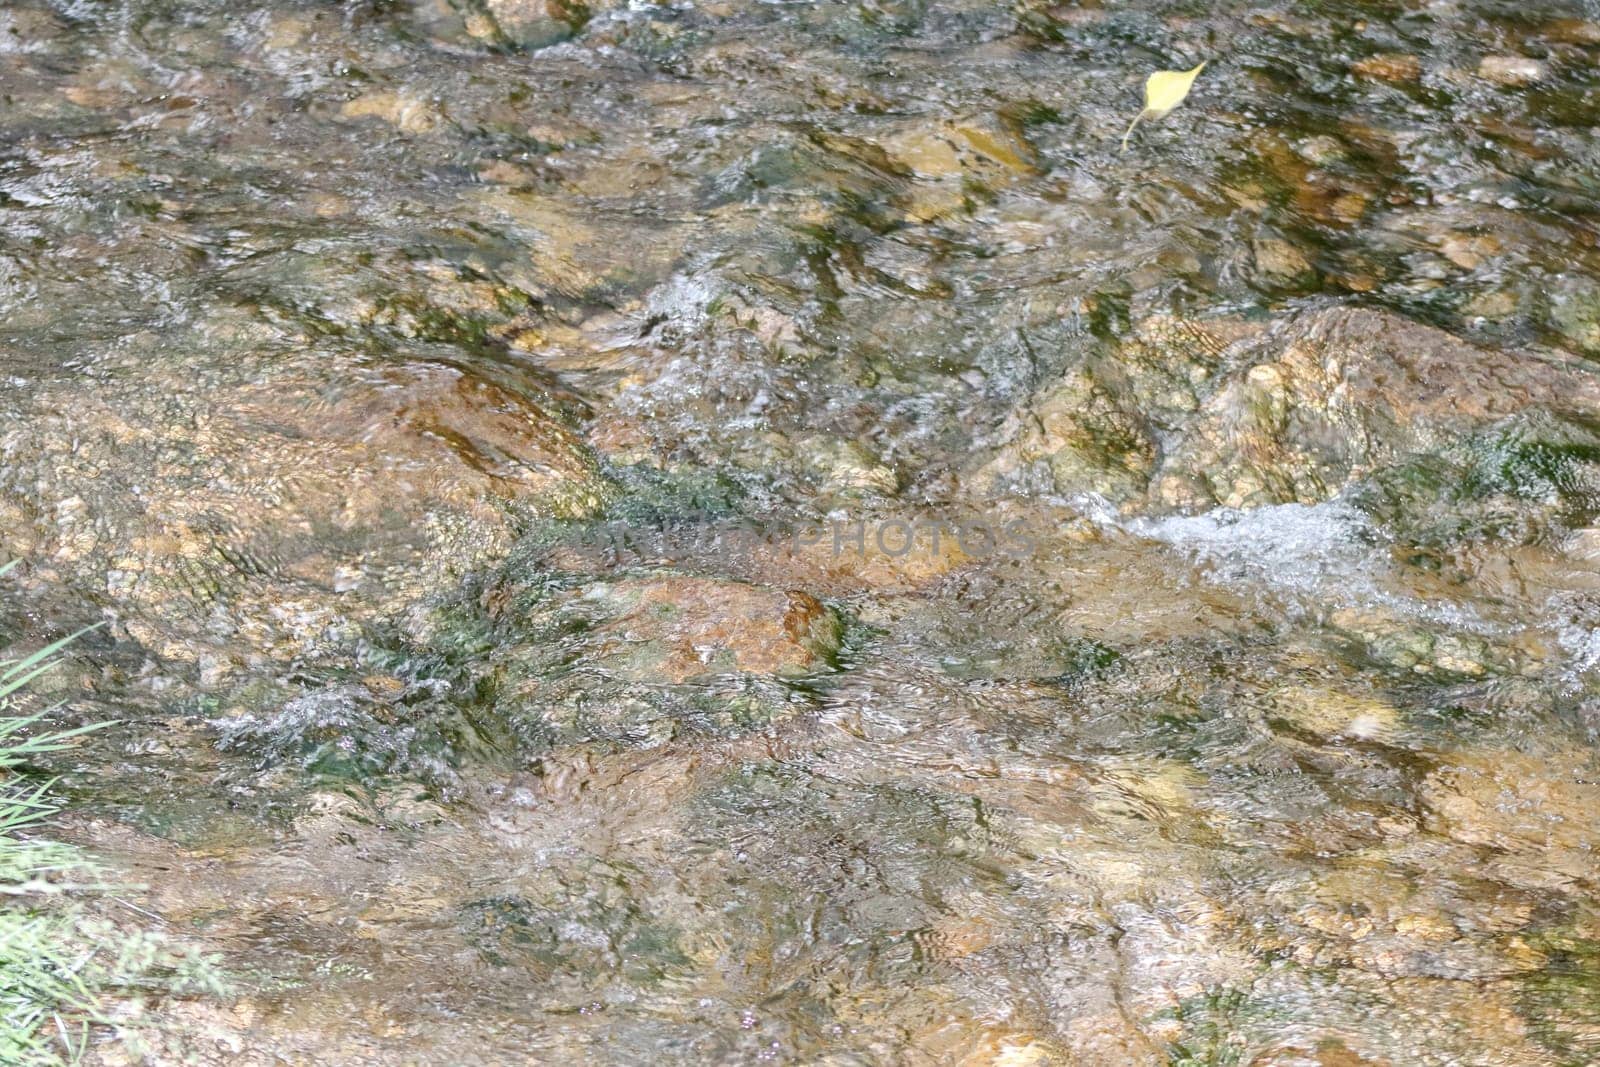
(751,532)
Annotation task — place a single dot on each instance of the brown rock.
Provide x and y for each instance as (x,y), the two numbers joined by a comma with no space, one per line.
(1572,31)
(409,113)
(679,628)
(222,511)
(1468,251)
(1343,391)
(1538,811)
(947,158)
(1389,67)
(1279,260)
(1511,70)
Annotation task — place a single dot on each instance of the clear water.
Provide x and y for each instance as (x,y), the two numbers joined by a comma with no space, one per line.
(366,365)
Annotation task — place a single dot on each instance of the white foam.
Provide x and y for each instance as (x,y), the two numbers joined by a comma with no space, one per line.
(1318,554)
(1307,548)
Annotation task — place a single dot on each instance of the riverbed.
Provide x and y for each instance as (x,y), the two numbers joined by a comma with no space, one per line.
(753,532)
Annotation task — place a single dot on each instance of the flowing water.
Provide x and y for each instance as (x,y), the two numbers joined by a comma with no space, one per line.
(748,531)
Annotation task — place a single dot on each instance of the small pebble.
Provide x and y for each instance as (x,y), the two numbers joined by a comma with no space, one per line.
(1390,67)
(1511,70)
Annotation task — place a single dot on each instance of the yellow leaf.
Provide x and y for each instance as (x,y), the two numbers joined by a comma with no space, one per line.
(1163,91)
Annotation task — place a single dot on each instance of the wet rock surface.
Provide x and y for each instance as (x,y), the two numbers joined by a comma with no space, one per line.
(252,508)
(1196,414)
(753,533)
(1343,394)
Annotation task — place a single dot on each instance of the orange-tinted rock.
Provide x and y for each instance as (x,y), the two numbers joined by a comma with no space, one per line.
(221,511)
(1389,67)
(679,628)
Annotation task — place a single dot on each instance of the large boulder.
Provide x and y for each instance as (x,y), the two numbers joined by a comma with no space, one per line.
(260,502)
(1413,421)
(1336,395)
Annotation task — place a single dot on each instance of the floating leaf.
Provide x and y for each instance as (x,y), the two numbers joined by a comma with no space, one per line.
(1163,91)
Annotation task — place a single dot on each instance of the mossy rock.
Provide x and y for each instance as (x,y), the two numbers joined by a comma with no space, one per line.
(1512,483)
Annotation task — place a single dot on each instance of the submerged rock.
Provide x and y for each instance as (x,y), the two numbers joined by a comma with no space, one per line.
(312,315)
(1098,428)
(1535,812)
(677,629)
(533,664)
(1389,67)
(409,113)
(1437,439)
(1575,313)
(1280,261)
(222,511)
(633,659)
(536,23)
(511,25)
(1511,70)
(956,163)
(1340,394)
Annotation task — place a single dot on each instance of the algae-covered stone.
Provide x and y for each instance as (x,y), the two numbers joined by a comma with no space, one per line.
(1329,713)
(536,23)
(1097,427)
(1084,440)
(511,25)
(1339,394)
(1428,650)
(1517,481)
(635,659)
(531,664)
(1575,313)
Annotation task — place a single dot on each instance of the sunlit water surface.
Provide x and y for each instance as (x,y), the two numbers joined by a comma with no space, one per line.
(447,405)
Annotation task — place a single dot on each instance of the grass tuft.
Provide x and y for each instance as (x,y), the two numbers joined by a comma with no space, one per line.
(66,974)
